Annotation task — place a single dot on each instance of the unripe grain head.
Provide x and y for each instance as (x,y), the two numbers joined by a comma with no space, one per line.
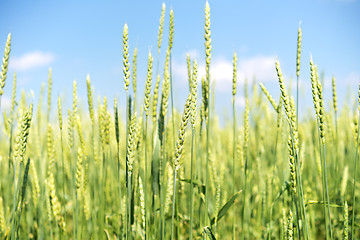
(148,85)
(5,64)
(126,68)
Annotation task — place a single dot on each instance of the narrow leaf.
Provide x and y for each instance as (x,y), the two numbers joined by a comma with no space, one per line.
(195,183)
(207,230)
(226,207)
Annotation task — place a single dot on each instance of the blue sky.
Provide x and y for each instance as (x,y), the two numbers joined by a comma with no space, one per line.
(76,38)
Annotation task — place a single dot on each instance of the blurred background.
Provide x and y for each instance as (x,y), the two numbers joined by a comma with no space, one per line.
(76,38)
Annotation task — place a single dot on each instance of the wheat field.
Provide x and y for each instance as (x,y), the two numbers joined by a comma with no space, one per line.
(156,172)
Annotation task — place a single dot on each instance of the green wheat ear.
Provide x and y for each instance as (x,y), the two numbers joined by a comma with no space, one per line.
(290,232)
(246,129)
(70,128)
(234,75)
(90,99)
(188,65)
(346,222)
(269,97)
(34,185)
(116,112)
(22,134)
(155,98)
(194,93)
(5,64)
(161,26)
(49,92)
(134,70)
(207,41)
(75,102)
(79,167)
(50,149)
(13,96)
(148,85)
(284,94)
(81,136)
(166,85)
(2,217)
(131,147)
(334,94)
(321,111)
(126,68)
(171,29)
(104,124)
(298,52)
(60,114)
(169,188)
(205,100)
(181,137)
(292,146)
(142,203)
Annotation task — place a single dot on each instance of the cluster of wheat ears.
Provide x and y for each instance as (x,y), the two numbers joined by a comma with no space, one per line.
(98,175)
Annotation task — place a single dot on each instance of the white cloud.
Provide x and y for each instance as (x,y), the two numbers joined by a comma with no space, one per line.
(240,101)
(180,70)
(5,102)
(31,60)
(260,67)
(193,53)
(221,71)
(352,78)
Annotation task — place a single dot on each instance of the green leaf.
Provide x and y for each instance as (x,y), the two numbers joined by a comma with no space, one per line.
(195,183)
(312,202)
(155,166)
(207,230)
(226,207)
(286,187)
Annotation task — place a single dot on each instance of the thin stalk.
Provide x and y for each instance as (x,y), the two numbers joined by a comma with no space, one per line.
(302,196)
(336,149)
(233,167)
(207,158)
(152,206)
(206,186)
(322,178)
(272,180)
(10,143)
(95,176)
(63,176)
(162,224)
(173,206)
(244,199)
(327,191)
(191,182)
(73,178)
(298,176)
(14,201)
(119,182)
(172,113)
(76,213)
(162,192)
(51,233)
(297,101)
(17,192)
(129,236)
(145,182)
(294,200)
(126,146)
(354,197)
(172,101)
